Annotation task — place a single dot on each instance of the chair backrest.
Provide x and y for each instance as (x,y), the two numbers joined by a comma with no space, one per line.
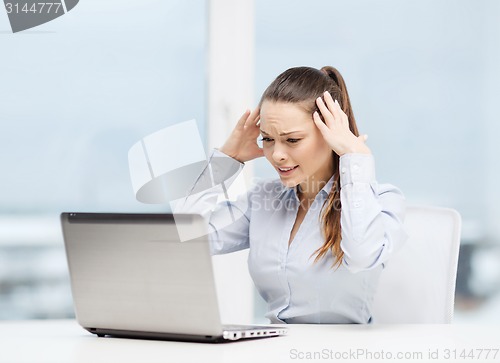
(417,284)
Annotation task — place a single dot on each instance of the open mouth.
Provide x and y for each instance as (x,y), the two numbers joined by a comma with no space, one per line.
(286,171)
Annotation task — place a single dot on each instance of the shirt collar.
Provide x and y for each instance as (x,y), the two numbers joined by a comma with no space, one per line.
(325,190)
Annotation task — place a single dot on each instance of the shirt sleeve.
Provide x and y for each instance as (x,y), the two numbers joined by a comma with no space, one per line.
(228,221)
(372,214)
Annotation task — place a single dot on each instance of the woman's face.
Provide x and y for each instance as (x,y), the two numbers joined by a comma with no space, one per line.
(292,140)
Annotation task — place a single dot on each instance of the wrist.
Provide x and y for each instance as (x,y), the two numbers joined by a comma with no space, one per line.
(224,151)
(231,155)
(355,149)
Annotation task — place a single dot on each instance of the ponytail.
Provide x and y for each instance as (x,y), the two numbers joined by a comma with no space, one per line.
(345,102)
(331,210)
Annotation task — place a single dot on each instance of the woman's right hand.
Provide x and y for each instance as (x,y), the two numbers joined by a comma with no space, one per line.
(242,143)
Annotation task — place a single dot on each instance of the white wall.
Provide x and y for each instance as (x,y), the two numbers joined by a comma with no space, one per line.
(230,93)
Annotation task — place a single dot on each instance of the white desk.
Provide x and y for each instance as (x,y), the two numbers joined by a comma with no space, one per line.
(64,341)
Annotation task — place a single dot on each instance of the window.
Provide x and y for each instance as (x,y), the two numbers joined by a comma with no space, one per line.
(76,93)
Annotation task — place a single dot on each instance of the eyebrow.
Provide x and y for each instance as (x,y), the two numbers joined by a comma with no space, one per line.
(283,133)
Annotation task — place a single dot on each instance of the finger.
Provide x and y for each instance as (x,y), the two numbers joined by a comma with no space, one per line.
(253,126)
(243,119)
(253,129)
(333,106)
(320,124)
(327,115)
(253,117)
(256,120)
(343,116)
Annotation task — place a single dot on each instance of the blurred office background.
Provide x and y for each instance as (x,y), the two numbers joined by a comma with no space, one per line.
(77,92)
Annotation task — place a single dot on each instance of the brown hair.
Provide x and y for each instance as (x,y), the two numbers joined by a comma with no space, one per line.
(303,85)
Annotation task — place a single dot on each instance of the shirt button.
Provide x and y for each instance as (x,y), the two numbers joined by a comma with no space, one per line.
(355,168)
(357,204)
(343,170)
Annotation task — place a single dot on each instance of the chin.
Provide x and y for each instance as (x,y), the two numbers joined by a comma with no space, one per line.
(290,183)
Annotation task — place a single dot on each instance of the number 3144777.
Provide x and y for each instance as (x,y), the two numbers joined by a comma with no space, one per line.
(35,8)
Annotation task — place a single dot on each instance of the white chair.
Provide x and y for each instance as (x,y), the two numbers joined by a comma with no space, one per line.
(417,284)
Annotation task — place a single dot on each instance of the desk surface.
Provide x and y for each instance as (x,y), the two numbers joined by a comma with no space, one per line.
(65,341)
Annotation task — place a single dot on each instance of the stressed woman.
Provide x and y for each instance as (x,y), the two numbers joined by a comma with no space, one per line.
(320,234)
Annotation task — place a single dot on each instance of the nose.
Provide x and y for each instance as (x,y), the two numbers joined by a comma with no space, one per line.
(279,153)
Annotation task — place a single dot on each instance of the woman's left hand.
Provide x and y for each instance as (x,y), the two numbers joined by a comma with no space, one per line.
(335,129)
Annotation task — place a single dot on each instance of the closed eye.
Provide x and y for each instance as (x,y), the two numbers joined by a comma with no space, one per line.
(266,139)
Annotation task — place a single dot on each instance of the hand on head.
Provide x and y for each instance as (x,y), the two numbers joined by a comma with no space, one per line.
(335,128)
(242,143)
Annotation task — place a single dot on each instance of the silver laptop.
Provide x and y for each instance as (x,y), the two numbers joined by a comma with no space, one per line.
(132,277)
